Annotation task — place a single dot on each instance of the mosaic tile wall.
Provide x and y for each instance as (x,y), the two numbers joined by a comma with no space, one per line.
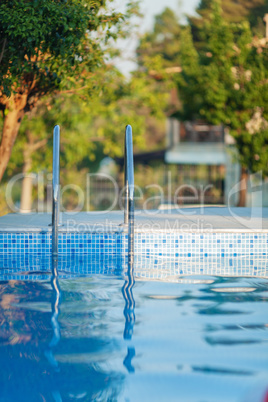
(69,243)
(201,245)
(34,267)
(168,245)
(173,269)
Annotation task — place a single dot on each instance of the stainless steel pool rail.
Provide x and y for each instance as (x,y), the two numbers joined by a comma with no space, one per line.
(55,190)
(129,190)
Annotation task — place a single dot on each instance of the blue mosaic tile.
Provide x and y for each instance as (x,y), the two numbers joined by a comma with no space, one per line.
(40,267)
(219,244)
(88,243)
(171,245)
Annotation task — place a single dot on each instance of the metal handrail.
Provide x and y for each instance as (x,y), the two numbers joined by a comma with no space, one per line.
(129,190)
(55,190)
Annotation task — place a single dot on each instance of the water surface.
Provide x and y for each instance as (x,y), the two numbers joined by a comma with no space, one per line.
(100,337)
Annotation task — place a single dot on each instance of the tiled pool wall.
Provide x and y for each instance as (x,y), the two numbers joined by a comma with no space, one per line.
(201,245)
(160,268)
(34,266)
(69,243)
(157,255)
(160,244)
(38,267)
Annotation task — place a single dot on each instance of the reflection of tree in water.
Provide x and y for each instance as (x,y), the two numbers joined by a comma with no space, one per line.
(37,365)
(215,301)
(218,301)
(221,300)
(22,325)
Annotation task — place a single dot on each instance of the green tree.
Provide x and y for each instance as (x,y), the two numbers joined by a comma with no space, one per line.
(158,56)
(233,11)
(227,82)
(45,47)
(162,41)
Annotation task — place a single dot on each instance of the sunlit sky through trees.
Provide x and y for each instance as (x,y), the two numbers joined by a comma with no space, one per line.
(149,9)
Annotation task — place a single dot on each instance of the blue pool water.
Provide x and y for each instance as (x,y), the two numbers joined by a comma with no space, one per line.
(114,337)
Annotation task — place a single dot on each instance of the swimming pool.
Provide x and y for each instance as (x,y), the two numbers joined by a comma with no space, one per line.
(115,335)
(187,321)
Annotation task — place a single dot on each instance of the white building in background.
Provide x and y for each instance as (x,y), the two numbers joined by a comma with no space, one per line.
(196,147)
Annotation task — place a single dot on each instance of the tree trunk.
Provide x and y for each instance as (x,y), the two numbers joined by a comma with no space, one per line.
(243,188)
(12,121)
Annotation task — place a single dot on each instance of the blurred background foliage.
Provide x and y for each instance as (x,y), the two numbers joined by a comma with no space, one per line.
(213,67)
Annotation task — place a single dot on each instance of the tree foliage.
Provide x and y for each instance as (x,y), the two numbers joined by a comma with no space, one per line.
(162,41)
(158,56)
(46,44)
(232,11)
(45,47)
(226,82)
(92,127)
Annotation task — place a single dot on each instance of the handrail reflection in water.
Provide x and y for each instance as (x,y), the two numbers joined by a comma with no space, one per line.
(129,313)
(55,304)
